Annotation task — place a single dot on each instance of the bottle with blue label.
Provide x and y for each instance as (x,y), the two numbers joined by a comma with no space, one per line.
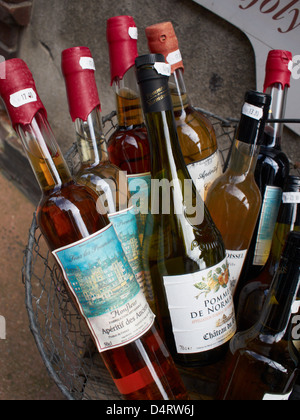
(95,169)
(128,145)
(83,241)
(272,168)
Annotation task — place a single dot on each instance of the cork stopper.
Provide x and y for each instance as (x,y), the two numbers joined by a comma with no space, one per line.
(162,40)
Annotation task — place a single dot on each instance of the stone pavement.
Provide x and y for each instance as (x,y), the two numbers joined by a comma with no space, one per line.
(23,375)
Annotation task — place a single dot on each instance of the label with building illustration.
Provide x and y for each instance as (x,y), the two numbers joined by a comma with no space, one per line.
(139,187)
(201,309)
(205,172)
(105,289)
(125,225)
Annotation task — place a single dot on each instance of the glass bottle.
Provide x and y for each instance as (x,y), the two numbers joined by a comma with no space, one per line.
(263,362)
(183,251)
(95,170)
(253,294)
(196,134)
(84,243)
(273,166)
(128,146)
(234,199)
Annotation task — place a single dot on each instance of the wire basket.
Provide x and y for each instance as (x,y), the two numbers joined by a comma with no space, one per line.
(61,335)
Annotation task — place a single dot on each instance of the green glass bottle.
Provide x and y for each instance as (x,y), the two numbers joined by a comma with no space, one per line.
(183,251)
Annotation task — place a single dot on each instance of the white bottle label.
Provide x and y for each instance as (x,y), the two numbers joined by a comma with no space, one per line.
(204,172)
(268,218)
(235,261)
(23,97)
(105,289)
(291,197)
(276,397)
(252,111)
(87,63)
(174,57)
(201,309)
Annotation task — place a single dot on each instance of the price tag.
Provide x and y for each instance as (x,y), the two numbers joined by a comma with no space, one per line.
(291,197)
(87,63)
(174,57)
(133,32)
(23,97)
(252,111)
(163,68)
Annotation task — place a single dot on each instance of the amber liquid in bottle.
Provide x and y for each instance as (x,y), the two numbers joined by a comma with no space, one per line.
(68,213)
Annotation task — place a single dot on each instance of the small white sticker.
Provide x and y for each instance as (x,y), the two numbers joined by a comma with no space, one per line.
(23,97)
(291,197)
(252,111)
(290,66)
(133,32)
(174,57)
(163,68)
(87,63)
(296,307)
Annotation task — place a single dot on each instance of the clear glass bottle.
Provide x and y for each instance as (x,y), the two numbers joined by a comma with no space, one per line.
(97,274)
(262,362)
(254,293)
(196,134)
(128,146)
(95,169)
(272,168)
(234,199)
(183,251)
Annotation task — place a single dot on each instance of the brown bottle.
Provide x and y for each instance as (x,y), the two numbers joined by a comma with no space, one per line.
(97,274)
(196,134)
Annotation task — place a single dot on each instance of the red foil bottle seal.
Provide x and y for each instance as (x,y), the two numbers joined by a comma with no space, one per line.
(162,40)
(122,35)
(19,93)
(278,68)
(79,72)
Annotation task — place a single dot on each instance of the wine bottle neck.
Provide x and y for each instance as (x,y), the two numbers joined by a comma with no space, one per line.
(44,154)
(129,109)
(274,130)
(278,308)
(90,140)
(178,91)
(243,160)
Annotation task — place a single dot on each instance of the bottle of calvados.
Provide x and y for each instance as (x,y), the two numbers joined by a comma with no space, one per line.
(128,146)
(196,134)
(254,293)
(263,362)
(95,170)
(234,199)
(272,169)
(183,251)
(85,245)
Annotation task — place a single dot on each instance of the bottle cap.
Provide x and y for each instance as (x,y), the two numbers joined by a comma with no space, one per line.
(78,68)
(162,40)
(151,66)
(278,68)
(122,35)
(19,93)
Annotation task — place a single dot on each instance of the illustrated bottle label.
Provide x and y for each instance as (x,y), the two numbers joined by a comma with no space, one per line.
(105,289)
(139,187)
(235,260)
(206,171)
(125,225)
(201,309)
(268,218)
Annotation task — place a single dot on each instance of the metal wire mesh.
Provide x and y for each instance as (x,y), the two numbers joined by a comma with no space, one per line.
(60,334)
